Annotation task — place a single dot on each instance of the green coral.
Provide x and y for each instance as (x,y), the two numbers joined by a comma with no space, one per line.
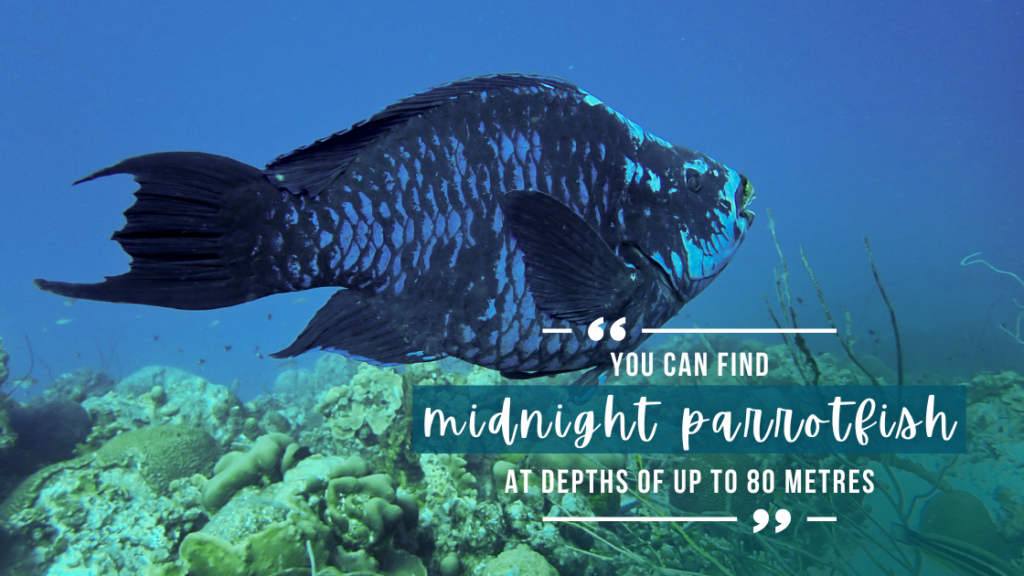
(371,399)
(520,560)
(239,469)
(163,453)
(255,536)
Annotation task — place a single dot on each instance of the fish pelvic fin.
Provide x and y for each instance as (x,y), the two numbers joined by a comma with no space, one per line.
(177,234)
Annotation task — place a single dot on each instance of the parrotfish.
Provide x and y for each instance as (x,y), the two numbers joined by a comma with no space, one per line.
(460,222)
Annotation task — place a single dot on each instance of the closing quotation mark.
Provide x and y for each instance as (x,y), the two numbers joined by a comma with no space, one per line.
(782,516)
(595,331)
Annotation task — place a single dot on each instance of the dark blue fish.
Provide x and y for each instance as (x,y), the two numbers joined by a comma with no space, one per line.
(460,222)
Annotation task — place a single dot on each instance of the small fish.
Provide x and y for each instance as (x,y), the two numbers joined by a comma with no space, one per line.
(955,555)
(286,365)
(180,351)
(799,300)
(269,316)
(200,362)
(156,338)
(227,348)
(257,352)
(870,331)
(215,323)
(300,300)
(70,302)
(78,355)
(461,221)
(64,321)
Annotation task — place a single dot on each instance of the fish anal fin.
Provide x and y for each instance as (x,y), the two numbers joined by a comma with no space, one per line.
(348,324)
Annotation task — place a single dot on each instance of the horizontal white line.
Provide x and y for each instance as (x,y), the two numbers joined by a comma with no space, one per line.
(640,519)
(557,330)
(739,330)
(821,518)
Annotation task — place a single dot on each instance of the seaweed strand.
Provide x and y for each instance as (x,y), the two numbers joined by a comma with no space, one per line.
(828,316)
(892,314)
(789,312)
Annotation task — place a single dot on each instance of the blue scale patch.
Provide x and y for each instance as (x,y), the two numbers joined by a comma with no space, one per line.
(346,234)
(361,230)
(396,235)
(403,176)
(385,259)
(508,342)
(350,212)
(334,257)
(553,345)
(426,228)
(378,234)
(333,216)
(469,227)
(458,247)
(351,257)
(426,255)
(367,260)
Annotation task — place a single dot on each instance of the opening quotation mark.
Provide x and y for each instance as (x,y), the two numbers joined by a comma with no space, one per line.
(782,516)
(617,332)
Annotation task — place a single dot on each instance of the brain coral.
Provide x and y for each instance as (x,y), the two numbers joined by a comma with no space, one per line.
(163,453)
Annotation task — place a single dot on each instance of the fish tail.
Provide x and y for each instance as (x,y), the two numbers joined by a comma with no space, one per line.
(177,234)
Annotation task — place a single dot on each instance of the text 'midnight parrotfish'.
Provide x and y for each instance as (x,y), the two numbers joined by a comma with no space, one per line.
(459,222)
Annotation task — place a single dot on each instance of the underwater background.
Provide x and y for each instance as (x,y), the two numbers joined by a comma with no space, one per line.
(900,122)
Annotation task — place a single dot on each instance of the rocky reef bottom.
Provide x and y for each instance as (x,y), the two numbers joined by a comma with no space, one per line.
(164,473)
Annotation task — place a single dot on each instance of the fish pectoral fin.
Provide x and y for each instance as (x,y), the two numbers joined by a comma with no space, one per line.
(585,386)
(349,325)
(571,271)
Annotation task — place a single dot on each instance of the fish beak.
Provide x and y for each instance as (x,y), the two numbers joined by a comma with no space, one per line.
(748,197)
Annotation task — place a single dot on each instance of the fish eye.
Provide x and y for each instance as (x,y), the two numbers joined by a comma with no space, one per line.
(693,180)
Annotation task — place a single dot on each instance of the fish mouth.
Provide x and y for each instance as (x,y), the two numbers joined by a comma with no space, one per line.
(744,196)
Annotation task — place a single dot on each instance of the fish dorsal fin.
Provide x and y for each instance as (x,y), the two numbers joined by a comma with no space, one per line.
(313,168)
(349,325)
(572,273)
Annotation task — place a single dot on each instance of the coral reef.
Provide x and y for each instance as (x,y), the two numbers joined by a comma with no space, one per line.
(160,395)
(46,433)
(519,560)
(79,385)
(116,511)
(367,404)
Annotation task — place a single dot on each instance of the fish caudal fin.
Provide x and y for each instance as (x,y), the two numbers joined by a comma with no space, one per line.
(176,232)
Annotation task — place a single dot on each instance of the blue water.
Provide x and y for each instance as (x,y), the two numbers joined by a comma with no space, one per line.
(900,122)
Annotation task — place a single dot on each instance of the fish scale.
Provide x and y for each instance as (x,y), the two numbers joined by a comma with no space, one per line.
(461,222)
